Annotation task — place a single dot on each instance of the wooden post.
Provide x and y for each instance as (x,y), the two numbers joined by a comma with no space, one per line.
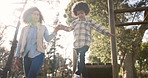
(113,40)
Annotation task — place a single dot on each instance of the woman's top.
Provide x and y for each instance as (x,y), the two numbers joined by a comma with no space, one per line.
(33,41)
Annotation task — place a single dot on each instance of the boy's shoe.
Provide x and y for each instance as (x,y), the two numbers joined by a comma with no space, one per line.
(76,76)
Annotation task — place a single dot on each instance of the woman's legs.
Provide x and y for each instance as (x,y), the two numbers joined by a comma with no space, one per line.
(27,64)
(34,66)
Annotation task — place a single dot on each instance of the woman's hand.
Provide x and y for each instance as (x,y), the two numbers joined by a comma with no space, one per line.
(16,63)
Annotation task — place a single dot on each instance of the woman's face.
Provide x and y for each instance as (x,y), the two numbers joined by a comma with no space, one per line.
(36,16)
(81,14)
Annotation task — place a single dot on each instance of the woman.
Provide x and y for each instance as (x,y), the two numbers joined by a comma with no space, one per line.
(30,46)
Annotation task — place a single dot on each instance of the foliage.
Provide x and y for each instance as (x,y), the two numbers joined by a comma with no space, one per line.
(142,60)
(129,40)
(4,55)
(100,46)
(100,49)
(56,66)
(2,30)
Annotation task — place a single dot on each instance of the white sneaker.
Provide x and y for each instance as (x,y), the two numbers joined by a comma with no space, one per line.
(76,76)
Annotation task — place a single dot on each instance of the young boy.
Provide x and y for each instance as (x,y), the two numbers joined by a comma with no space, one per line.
(82,27)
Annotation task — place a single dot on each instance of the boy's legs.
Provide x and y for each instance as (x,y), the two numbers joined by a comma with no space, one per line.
(81,61)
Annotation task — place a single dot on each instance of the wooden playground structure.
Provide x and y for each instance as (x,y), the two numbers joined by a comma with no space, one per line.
(112,70)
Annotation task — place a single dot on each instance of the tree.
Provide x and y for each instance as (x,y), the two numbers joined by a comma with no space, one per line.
(142,60)
(129,42)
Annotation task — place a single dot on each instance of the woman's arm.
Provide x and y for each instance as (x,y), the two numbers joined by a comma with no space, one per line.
(52,35)
(17,54)
(48,36)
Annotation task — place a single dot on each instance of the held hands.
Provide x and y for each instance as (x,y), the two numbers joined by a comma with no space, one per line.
(59,27)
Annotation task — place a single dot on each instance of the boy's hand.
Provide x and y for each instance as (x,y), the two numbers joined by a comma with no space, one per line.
(59,27)
(111,35)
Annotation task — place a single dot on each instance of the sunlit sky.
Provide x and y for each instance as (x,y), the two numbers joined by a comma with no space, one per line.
(9,14)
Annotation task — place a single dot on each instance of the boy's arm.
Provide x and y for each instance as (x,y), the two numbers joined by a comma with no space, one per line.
(69,28)
(100,29)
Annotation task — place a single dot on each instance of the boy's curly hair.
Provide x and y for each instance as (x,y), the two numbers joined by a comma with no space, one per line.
(80,6)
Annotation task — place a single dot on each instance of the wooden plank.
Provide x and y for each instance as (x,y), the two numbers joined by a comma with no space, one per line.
(98,66)
(131,23)
(130,10)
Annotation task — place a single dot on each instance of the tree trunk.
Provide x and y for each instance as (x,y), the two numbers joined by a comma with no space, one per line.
(127,66)
(129,70)
(133,62)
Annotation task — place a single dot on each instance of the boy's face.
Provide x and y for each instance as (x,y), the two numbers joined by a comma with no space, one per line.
(81,14)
